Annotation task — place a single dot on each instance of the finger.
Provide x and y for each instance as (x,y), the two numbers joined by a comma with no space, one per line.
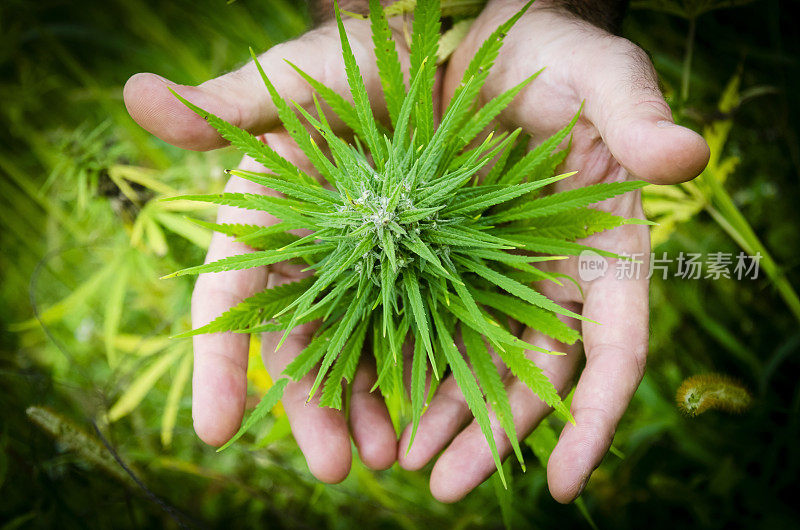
(619,86)
(320,432)
(219,379)
(445,416)
(468,460)
(240,97)
(616,350)
(370,422)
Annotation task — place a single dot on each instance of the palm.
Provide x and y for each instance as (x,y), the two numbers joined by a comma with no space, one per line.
(616,138)
(583,64)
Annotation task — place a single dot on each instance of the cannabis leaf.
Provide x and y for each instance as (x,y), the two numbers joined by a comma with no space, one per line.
(407,242)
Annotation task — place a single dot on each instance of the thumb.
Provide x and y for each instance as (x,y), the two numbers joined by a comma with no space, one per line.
(239,97)
(625,104)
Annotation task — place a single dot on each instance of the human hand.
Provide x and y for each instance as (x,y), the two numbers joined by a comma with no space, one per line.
(219,379)
(625,132)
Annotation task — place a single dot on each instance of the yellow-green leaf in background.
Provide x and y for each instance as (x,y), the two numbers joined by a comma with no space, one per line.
(78,297)
(140,386)
(185,228)
(452,38)
(170,416)
(113,311)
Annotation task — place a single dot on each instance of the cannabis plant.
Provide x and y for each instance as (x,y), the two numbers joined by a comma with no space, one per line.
(409,240)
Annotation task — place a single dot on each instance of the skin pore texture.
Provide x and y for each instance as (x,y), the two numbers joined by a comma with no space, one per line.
(625,132)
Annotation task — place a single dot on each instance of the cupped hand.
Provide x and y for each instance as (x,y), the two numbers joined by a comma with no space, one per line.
(219,379)
(625,132)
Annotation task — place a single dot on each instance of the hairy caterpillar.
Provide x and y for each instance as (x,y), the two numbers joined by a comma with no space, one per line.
(700,393)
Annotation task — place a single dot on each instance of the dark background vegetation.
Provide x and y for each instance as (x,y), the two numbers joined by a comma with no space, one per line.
(98,361)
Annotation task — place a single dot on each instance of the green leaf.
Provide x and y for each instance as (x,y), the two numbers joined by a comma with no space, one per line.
(489,379)
(484,201)
(344,369)
(341,107)
(343,330)
(249,144)
(534,378)
(424,45)
(489,111)
(469,388)
(254,259)
(579,223)
(566,200)
(388,62)
(483,59)
(548,245)
(112,315)
(309,357)
(419,365)
(517,289)
(539,156)
(359,93)
(286,209)
(411,284)
(295,128)
(254,309)
(314,194)
(534,317)
(267,403)
(176,389)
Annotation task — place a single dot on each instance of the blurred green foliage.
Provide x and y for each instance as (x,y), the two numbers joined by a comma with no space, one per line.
(85,322)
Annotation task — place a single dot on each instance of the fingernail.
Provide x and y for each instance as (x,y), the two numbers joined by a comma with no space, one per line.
(664,124)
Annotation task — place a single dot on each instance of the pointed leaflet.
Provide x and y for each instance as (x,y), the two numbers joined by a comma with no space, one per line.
(295,128)
(565,200)
(253,310)
(516,288)
(539,155)
(285,209)
(579,223)
(254,259)
(344,369)
(534,378)
(343,331)
(484,58)
(310,356)
(486,113)
(250,145)
(419,365)
(314,194)
(484,201)
(507,159)
(270,399)
(411,284)
(259,237)
(495,331)
(535,318)
(424,44)
(341,107)
(359,93)
(469,388)
(387,61)
(492,385)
